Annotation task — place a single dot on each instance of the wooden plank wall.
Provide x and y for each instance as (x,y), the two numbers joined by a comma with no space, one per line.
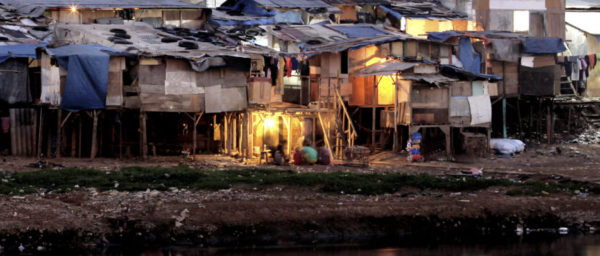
(23,123)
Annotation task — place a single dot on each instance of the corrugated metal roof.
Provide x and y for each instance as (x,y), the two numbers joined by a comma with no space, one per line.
(302,4)
(425,9)
(358,31)
(357,2)
(144,39)
(386,68)
(583,4)
(105,4)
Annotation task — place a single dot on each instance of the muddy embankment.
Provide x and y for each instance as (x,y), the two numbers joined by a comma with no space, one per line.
(91,222)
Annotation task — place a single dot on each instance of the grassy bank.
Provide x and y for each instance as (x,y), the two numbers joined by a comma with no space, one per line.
(139,179)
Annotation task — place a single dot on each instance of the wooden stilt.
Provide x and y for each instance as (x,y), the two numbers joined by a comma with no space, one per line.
(58,133)
(143,136)
(80,136)
(374,117)
(94,149)
(40,139)
(395,145)
(73,141)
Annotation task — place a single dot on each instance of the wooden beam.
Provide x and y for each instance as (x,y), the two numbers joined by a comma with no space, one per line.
(325,136)
(196,120)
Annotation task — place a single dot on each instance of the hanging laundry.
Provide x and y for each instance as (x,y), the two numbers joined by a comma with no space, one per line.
(568,67)
(576,68)
(274,70)
(294,64)
(288,64)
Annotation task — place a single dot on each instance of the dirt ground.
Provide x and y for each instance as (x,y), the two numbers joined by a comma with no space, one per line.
(213,212)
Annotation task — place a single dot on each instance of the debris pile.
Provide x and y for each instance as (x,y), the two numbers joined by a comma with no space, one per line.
(588,137)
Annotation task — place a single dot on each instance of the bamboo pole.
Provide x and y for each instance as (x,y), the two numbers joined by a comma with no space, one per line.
(395,147)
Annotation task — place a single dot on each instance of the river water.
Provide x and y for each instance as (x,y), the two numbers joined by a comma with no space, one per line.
(559,246)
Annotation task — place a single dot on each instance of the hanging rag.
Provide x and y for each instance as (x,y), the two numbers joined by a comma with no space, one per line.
(588,65)
(288,64)
(294,64)
(582,76)
(568,67)
(584,67)
(576,69)
(274,71)
(592,61)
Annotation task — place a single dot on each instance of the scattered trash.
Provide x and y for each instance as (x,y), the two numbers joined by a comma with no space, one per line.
(45,165)
(519,230)
(507,146)
(563,230)
(588,137)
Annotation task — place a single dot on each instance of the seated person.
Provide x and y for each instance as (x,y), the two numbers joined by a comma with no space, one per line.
(324,155)
(309,154)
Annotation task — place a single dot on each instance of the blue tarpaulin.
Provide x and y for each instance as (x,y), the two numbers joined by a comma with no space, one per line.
(470,59)
(395,14)
(543,45)
(442,36)
(87,75)
(248,7)
(18,51)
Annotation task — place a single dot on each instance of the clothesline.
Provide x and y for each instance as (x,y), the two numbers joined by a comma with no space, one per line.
(579,67)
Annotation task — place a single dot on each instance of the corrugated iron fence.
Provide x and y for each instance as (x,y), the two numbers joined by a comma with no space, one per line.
(23,127)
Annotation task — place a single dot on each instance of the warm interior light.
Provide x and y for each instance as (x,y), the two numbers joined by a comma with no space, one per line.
(269,123)
(375,60)
(73,9)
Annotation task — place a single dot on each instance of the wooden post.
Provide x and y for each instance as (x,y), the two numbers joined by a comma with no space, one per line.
(521,135)
(395,147)
(73,141)
(94,149)
(80,136)
(374,117)
(234,132)
(549,127)
(225,134)
(40,133)
(143,136)
(58,133)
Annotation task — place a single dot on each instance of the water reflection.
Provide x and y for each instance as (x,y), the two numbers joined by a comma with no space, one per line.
(564,246)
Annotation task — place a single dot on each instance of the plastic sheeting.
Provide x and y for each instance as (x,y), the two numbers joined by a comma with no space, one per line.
(87,77)
(14,87)
(481,109)
(18,51)
(543,45)
(248,7)
(289,17)
(470,59)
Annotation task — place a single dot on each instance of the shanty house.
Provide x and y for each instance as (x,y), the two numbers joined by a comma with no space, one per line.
(583,37)
(433,98)
(155,77)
